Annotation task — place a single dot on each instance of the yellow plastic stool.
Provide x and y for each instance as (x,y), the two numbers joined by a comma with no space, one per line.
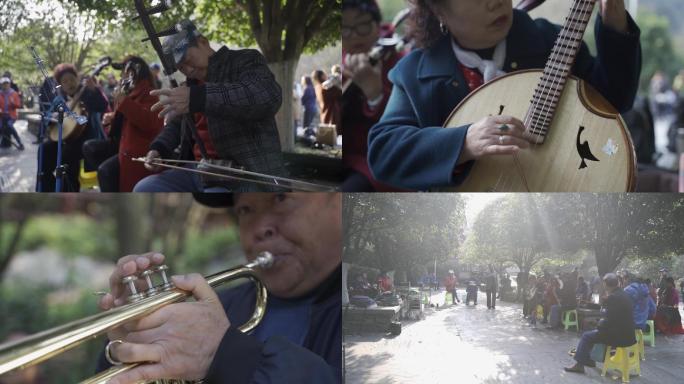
(650,335)
(88,180)
(640,343)
(540,312)
(624,360)
(566,319)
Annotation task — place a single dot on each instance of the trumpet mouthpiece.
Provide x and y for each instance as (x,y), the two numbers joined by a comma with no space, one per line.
(263,260)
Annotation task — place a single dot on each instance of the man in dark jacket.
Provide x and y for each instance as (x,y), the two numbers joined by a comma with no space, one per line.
(224,115)
(615,329)
(299,339)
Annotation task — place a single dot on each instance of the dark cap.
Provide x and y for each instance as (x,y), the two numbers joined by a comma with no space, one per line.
(177,45)
(215,200)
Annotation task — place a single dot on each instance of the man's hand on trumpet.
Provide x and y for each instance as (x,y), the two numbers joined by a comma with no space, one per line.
(178,340)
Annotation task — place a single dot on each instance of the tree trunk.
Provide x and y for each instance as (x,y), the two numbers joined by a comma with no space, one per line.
(284,74)
(606,260)
(10,251)
(129,226)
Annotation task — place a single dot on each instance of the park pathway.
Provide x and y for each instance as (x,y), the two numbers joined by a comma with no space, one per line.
(472,345)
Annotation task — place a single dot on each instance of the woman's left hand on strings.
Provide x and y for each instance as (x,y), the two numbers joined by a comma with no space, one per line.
(614,14)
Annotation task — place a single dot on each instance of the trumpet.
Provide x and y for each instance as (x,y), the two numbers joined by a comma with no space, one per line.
(34,349)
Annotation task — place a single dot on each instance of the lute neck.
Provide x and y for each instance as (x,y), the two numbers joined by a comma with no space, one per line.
(557,70)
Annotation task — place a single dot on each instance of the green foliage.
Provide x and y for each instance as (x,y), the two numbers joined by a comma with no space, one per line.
(27,309)
(71,236)
(203,247)
(402,231)
(282,31)
(511,230)
(390,8)
(657,48)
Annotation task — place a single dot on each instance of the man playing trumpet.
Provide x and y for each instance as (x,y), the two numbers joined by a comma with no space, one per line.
(299,338)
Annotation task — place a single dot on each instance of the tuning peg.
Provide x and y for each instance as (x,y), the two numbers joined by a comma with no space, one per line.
(159,8)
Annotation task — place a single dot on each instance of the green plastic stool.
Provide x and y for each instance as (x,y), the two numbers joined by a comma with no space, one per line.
(650,335)
(639,334)
(567,322)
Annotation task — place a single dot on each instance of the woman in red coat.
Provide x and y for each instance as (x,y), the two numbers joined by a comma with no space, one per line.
(134,121)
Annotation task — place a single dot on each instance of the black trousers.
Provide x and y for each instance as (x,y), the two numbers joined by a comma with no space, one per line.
(491,298)
(71,158)
(108,175)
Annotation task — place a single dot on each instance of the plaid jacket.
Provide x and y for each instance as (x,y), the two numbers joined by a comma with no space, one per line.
(240,99)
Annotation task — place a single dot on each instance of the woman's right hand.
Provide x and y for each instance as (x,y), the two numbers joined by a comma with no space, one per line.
(118,292)
(366,76)
(484,138)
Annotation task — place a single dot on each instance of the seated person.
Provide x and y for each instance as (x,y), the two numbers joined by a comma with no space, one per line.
(461,48)
(644,306)
(667,319)
(615,329)
(72,86)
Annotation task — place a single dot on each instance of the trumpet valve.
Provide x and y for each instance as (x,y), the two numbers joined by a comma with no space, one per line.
(147,275)
(166,285)
(135,295)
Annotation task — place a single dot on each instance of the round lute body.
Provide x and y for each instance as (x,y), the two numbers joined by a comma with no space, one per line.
(71,129)
(580,143)
(587,148)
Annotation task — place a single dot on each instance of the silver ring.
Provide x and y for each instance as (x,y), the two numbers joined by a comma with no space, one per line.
(108,352)
(504,128)
(501,139)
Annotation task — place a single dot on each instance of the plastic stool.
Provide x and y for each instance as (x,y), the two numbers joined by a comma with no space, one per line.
(625,360)
(88,180)
(639,334)
(650,335)
(566,319)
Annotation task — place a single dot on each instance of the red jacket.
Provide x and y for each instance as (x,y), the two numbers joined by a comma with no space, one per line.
(357,120)
(450,283)
(13,102)
(140,127)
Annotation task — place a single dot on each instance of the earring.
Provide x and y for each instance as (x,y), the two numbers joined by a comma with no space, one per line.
(443,28)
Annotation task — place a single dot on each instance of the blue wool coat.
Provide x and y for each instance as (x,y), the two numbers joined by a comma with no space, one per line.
(409,149)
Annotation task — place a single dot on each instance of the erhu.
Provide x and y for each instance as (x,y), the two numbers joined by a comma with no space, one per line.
(207,167)
(34,349)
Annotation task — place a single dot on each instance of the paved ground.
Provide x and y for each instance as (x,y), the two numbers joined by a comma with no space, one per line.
(18,168)
(465,345)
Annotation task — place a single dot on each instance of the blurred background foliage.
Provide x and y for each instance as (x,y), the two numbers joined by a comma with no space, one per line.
(56,250)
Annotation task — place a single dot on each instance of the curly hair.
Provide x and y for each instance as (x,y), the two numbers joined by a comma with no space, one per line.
(423,24)
(62,69)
